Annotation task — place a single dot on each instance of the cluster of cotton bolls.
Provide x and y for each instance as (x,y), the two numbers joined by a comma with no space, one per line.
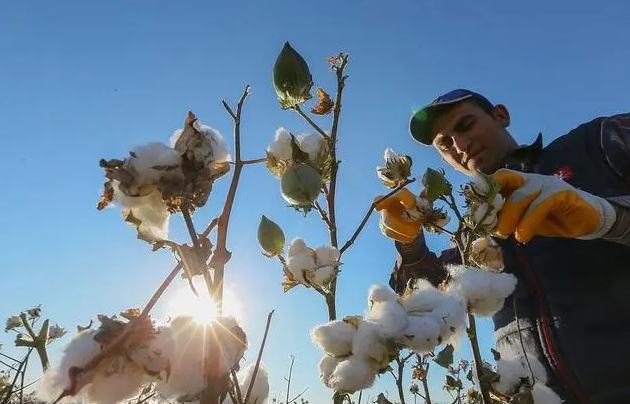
(281,150)
(486,253)
(520,374)
(310,266)
(484,203)
(357,349)
(170,356)
(156,179)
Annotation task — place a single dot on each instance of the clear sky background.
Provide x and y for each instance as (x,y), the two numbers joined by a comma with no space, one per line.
(81,81)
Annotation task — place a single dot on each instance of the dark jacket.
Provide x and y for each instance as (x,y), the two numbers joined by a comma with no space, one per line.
(573,296)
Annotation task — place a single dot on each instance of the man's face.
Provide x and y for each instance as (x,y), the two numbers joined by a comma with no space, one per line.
(471,140)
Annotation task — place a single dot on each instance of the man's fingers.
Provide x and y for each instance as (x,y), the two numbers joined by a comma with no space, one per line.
(535,218)
(509,181)
(513,211)
(391,227)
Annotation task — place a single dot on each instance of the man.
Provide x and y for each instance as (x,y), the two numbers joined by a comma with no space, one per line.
(564,232)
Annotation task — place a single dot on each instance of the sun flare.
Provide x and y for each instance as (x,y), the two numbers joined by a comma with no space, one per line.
(202,308)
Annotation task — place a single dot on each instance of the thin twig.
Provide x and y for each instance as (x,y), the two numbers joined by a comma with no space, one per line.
(9,357)
(520,337)
(289,379)
(6,398)
(144,400)
(472,335)
(237,387)
(311,122)
(399,379)
(255,161)
(260,353)
(7,365)
(322,214)
(369,213)
(298,396)
(22,379)
(201,262)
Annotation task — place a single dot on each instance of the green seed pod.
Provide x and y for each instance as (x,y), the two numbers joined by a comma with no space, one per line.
(270,237)
(300,185)
(436,184)
(291,78)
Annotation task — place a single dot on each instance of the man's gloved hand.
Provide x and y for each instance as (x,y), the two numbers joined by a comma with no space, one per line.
(395,222)
(545,205)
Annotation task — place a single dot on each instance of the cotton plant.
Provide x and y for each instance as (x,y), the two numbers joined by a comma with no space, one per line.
(172,357)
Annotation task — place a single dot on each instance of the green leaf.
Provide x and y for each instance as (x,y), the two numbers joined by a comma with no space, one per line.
(445,357)
(436,184)
(270,237)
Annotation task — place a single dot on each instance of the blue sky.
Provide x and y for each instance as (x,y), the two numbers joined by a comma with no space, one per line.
(80,81)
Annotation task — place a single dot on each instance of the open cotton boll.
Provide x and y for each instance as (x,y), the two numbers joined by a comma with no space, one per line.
(280,148)
(352,374)
(298,246)
(145,158)
(484,291)
(219,150)
(422,334)
(544,395)
(334,338)
(379,293)
(422,298)
(260,389)
(299,264)
(326,255)
(149,212)
(368,345)
(79,351)
(312,144)
(512,369)
(327,367)
(322,275)
(118,385)
(390,318)
(451,315)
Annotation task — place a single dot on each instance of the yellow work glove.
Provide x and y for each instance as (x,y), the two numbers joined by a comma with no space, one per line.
(545,205)
(396,222)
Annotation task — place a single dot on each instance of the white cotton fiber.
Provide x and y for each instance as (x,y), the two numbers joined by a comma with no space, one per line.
(334,338)
(299,264)
(352,374)
(280,148)
(451,315)
(484,291)
(312,144)
(422,334)
(298,246)
(322,275)
(326,255)
(150,210)
(544,395)
(144,158)
(118,386)
(379,293)
(512,369)
(422,298)
(368,345)
(327,367)
(260,390)
(390,317)
(216,146)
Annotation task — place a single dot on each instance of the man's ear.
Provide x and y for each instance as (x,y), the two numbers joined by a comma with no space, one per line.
(502,114)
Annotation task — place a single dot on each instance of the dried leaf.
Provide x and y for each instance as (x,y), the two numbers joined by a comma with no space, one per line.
(289,282)
(325,105)
(87,327)
(107,196)
(354,321)
(452,383)
(445,357)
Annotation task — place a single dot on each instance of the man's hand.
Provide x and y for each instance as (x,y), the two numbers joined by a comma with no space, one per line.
(544,205)
(395,222)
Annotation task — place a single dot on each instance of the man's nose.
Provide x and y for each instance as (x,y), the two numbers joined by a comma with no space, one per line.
(461,143)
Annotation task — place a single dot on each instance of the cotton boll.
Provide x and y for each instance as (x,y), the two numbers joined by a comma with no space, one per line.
(157,354)
(322,276)
(327,367)
(389,317)
(312,143)
(326,255)
(144,158)
(280,148)
(544,395)
(422,334)
(422,298)
(149,212)
(451,315)
(298,246)
(497,202)
(367,344)
(299,264)
(512,369)
(380,293)
(79,351)
(219,150)
(353,374)
(480,184)
(119,383)
(484,291)
(334,338)
(260,389)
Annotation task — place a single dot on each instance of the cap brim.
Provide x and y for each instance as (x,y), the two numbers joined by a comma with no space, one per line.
(421,123)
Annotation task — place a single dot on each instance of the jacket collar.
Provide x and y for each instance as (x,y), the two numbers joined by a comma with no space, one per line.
(524,157)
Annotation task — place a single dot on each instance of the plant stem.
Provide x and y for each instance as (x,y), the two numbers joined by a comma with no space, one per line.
(201,264)
(310,121)
(425,384)
(237,387)
(256,161)
(260,353)
(399,379)
(289,378)
(22,379)
(369,213)
(472,336)
(6,398)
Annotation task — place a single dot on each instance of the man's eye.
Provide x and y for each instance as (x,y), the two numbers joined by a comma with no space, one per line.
(465,125)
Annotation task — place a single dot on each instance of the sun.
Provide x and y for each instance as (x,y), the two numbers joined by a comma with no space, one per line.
(202,308)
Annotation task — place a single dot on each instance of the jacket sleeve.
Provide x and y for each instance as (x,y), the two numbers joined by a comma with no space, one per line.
(415,260)
(615,145)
